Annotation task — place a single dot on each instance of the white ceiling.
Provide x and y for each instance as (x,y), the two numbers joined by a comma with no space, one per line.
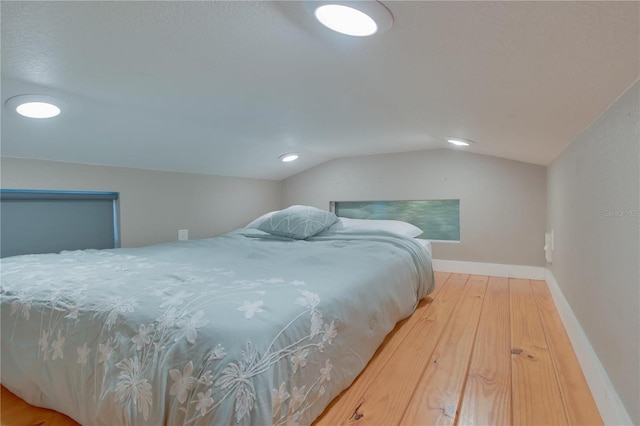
(226,87)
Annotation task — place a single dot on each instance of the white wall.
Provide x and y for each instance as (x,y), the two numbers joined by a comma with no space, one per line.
(154,204)
(593,205)
(502,202)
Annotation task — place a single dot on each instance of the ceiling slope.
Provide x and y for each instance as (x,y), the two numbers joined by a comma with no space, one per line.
(226,87)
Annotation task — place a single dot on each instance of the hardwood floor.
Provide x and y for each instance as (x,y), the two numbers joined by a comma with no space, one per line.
(479,351)
(15,412)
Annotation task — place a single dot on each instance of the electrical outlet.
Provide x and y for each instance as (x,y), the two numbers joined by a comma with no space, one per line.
(183,234)
(548,246)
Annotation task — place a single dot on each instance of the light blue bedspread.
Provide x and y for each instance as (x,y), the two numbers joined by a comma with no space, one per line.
(238,329)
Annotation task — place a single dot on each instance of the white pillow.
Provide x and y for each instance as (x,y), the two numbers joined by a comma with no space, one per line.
(394,226)
(256,222)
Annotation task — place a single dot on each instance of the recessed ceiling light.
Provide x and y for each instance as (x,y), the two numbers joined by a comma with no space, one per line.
(346,20)
(286,158)
(35,106)
(354,18)
(38,110)
(460,142)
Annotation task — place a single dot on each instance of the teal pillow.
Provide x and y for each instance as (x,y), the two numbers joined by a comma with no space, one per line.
(298,222)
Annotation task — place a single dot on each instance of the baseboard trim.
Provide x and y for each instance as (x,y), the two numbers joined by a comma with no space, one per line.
(494,269)
(611,408)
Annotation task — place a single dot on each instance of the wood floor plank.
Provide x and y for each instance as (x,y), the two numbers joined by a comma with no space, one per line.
(536,394)
(487,394)
(341,406)
(579,404)
(382,400)
(436,397)
(440,278)
(15,412)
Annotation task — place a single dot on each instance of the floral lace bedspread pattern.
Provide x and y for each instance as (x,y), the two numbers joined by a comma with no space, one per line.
(227,330)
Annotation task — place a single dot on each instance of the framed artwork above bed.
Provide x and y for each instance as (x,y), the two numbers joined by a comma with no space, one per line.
(438,219)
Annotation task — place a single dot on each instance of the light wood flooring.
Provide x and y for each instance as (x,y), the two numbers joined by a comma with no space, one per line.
(479,351)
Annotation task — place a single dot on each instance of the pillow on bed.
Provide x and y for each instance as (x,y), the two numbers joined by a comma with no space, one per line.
(298,222)
(257,222)
(394,226)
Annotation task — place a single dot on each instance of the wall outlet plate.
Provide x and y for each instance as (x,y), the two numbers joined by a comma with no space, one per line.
(548,246)
(183,234)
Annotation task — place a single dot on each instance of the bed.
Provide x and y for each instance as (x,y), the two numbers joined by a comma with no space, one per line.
(252,327)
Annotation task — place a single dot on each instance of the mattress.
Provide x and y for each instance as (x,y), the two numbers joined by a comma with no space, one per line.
(243,328)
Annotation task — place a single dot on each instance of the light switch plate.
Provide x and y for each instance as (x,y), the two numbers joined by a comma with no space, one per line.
(183,234)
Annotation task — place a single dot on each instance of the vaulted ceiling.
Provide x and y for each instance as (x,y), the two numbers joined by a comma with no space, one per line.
(226,87)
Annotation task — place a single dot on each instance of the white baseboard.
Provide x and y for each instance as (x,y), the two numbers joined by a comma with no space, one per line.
(611,408)
(494,269)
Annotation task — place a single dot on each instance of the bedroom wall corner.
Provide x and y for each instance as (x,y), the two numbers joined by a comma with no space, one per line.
(593,210)
(154,204)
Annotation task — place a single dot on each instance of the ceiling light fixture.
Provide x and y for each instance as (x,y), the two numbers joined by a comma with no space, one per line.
(460,142)
(35,106)
(286,158)
(354,18)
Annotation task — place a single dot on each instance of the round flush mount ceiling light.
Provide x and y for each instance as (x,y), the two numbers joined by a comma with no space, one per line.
(355,18)
(460,142)
(287,158)
(35,106)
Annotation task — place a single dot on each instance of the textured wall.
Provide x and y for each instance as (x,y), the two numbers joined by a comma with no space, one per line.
(153,204)
(593,207)
(502,202)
